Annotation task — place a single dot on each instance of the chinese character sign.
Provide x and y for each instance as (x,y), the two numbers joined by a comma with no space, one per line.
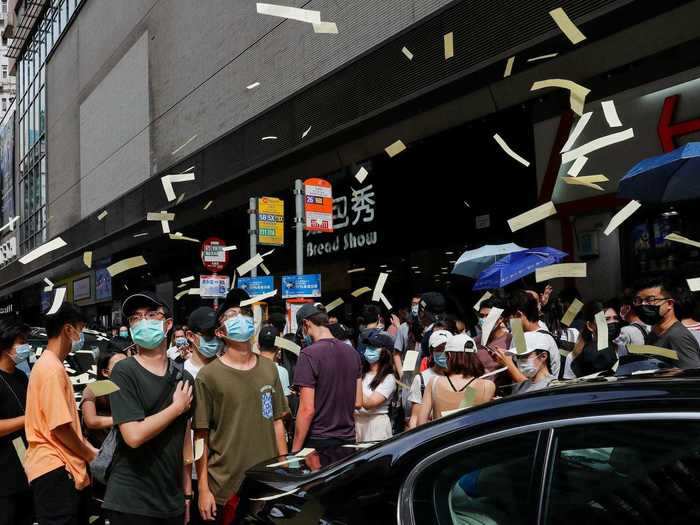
(318,205)
(270,221)
(212,286)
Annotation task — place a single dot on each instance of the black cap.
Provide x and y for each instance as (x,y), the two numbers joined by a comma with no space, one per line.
(202,320)
(433,302)
(140,300)
(380,340)
(305,312)
(267,336)
(233,299)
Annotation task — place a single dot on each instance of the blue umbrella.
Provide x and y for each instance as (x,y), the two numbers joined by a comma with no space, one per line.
(472,262)
(516,265)
(670,177)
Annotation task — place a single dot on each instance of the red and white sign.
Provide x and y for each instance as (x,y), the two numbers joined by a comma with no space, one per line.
(318,205)
(214,258)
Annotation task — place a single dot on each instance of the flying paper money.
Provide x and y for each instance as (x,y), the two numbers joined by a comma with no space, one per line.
(258,298)
(58,297)
(126,264)
(577,92)
(683,240)
(610,113)
(329,28)
(567,27)
(449,43)
(361,291)
(334,304)
(557,271)
(379,287)
(576,132)
(602,330)
(168,180)
(516,327)
(292,13)
(247,266)
(394,149)
(509,67)
(572,312)
(198,448)
(485,297)
(407,53)
(361,175)
(621,216)
(87,259)
(577,166)
(599,143)
(281,342)
(653,350)
(409,361)
(509,151)
(50,246)
(694,284)
(489,323)
(532,216)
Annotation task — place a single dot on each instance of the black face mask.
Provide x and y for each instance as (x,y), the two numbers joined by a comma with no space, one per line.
(649,313)
(614,331)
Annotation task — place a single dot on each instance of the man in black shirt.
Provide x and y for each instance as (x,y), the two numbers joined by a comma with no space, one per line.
(16,507)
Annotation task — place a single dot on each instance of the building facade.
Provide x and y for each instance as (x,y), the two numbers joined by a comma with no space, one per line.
(249,103)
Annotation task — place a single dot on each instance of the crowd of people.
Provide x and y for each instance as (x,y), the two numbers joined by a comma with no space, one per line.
(196,405)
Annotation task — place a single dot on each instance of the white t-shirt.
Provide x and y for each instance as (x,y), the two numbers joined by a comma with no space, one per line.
(386,388)
(284,379)
(539,341)
(192,368)
(415,395)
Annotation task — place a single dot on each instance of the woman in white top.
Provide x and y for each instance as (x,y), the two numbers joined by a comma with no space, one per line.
(372,421)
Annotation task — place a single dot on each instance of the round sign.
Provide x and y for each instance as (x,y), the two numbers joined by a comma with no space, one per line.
(214,258)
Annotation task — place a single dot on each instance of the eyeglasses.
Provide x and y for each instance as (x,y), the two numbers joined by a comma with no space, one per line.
(637,301)
(149,316)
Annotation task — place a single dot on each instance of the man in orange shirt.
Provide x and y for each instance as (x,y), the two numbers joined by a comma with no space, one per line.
(56,461)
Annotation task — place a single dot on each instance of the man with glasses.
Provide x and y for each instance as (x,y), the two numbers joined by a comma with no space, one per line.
(150,409)
(238,418)
(653,303)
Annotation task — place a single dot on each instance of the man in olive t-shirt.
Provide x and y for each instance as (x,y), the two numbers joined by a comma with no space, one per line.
(240,405)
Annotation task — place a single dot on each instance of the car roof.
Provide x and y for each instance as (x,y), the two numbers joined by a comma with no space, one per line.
(664,391)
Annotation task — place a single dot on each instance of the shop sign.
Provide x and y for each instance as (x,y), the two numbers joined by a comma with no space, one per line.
(213,286)
(214,258)
(301,286)
(103,284)
(257,285)
(353,224)
(7,309)
(270,221)
(318,205)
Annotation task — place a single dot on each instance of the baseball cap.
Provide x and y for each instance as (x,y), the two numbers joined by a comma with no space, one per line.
(140,300)
(233,299)
(380,340)
(438,337)
(267,336)
(305,312)
(460,343)
(202,320)
(530,351)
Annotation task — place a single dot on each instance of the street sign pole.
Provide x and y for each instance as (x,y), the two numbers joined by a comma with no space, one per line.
(252,203)
(299,224)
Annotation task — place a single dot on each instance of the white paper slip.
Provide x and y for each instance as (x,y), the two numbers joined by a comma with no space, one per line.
(572,312)
(566,26)
(102,215)
(610,113)
(361,175)
(251,263)
(198,448)
(281,342)
(586,180)
(306,132)
(230,248)
(49,285)
(601,330)
(252,86)
(304,452)
(532,216)
(557,271)
(58,297)
(577,166)
(409,361)
(578,93)
(355,270)
(181,294)
(48,247)
(329,28)
(542,57)
(334,304)
(576,132)
(407,53)
(379,287)
(270,137)
(495,372)
(187,279)
(509,67)
(360,445)
(176,150)
(142,234)
(599,143)
(694,284)
(361,291)
(449,44)
(394,149)
(621,216)
(276,496)
(87,259)
(292,13)
(258,298)
(264,269)
(489,323)
(683,240)
(485,297)
(194,291)
(505,147)
(126,264)
(177,236)
(168,180)
(160,216)
(386,302)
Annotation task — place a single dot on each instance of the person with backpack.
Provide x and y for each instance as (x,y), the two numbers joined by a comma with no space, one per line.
(149,480)
(437,361)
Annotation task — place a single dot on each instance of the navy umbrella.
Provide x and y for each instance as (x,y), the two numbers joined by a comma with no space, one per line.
(516,265)
(670,177)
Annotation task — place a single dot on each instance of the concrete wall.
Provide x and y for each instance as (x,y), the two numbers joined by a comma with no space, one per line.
(201,55)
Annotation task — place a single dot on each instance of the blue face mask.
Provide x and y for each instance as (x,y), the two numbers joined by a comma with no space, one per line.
(440,359)
(75,346)
(372,354)
(23,352)
(124,333)
(180,342)
(211,347)
(148,334)
(308,341)
(240,328)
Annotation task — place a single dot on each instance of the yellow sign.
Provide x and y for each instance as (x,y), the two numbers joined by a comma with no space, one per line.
(270,221)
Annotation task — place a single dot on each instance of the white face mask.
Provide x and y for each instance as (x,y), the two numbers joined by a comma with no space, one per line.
(528,369)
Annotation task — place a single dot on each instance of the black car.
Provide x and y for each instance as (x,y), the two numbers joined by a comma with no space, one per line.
(606,451)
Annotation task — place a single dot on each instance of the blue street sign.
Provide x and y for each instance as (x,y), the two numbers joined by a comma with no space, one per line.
(256,285)
(301,286)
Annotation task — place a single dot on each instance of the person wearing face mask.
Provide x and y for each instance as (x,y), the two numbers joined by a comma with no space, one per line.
(328,377)
(437,365)
(654,304)
(201,338)
(532,372)
(586,359)
(179,350)
(239,413)
(15,496)
(151,412)
(372,421)
(58,454)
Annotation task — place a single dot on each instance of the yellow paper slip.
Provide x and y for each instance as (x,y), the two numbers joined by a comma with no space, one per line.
(530,217)
(102,215)
(407,53)
(42,250)
(329,28)
(505,147)
(21,450)
(449,42)
(572,312)
(281,342)
(509,67)
(596,144)
(557,271)
(179,237)
(292,13)
(258,298)
(379,287)
(586,179)
(103,388)
(394,149)
(602,330)
(410,360)
(621,216)
(361,291)
(87,259)
(334,304)
(485,297)
(249,264)
(653,350)
(126,264)
(187,279)
(181,294)
(683,240)
(516,326)
(578,93)
(198,448)
(160,216)
(567,27)
(577,166)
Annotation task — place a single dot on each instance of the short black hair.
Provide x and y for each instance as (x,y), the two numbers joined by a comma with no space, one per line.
(103,360)
(591,308)
(521,301)
(370,313)
(10,329)
(655,282)
(67,314)
(685,304)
